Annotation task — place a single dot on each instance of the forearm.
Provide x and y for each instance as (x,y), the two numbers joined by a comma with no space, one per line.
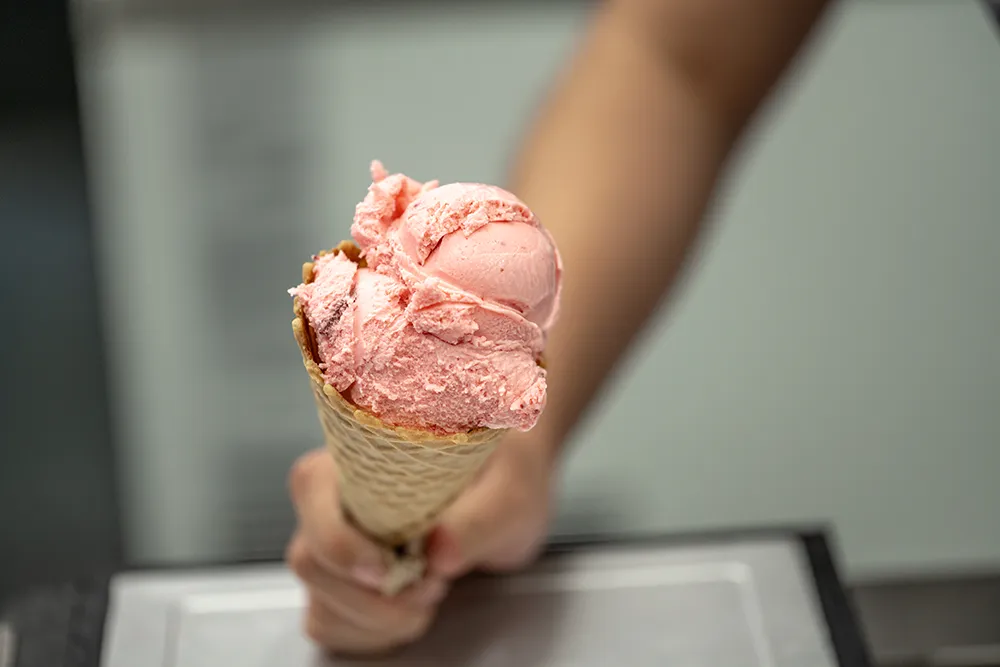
(620,167)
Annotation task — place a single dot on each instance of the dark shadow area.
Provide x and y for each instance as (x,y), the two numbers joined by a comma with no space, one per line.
(994,7)
(956,618)
(58,515)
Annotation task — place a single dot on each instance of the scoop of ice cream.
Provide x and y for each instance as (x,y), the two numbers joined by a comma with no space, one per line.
(439,211)
(511,265)
(477,242)
(408,377)
(475,371)
(444,328)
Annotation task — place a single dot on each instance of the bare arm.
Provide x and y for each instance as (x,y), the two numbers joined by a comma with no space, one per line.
(625,156)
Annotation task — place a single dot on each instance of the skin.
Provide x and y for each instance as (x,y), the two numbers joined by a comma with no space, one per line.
(632,143)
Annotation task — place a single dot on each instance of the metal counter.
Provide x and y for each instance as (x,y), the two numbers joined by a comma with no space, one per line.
(770,600)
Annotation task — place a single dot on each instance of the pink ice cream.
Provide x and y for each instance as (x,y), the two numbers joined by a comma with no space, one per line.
(444,329)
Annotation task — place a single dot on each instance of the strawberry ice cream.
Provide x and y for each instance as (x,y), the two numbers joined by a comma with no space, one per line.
(439,325)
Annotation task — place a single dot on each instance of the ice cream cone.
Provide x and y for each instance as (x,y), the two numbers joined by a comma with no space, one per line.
(394,482)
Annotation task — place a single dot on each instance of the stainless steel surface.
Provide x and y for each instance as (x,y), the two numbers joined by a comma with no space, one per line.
(8,645)
(746,603)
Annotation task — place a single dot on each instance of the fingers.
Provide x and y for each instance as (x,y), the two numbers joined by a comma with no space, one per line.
(345,617)
(330,631)
(342,570)
(335,544)
(361,607)
(328,628)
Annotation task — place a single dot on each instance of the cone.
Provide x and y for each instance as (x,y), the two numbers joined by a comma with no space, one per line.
(394,482)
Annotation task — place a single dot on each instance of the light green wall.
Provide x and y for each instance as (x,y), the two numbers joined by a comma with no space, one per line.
(833,357)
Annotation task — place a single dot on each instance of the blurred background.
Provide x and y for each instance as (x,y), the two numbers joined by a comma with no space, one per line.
(165,168)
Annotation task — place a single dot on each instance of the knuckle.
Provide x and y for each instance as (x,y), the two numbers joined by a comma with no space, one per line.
(335,545)
(298,475)
(299,560)
(303,472)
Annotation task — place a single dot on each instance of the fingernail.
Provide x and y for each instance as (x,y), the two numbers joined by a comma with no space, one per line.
(369,575)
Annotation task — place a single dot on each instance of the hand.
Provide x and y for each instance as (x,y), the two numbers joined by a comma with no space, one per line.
(342,571)
(499,523)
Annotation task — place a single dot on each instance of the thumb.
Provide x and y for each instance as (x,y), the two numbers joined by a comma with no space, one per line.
(466,531)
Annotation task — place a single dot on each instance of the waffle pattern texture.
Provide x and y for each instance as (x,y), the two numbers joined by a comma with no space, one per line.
(394,482)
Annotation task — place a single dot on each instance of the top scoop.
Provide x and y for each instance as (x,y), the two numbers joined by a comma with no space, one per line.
(444,328)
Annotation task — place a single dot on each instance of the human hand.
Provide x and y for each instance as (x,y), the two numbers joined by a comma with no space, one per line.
(342,571)
(498,524)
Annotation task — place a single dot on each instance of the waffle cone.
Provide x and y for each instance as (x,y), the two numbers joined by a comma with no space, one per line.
(393,482)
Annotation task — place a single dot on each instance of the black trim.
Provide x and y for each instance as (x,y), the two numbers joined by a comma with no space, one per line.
(846,636)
